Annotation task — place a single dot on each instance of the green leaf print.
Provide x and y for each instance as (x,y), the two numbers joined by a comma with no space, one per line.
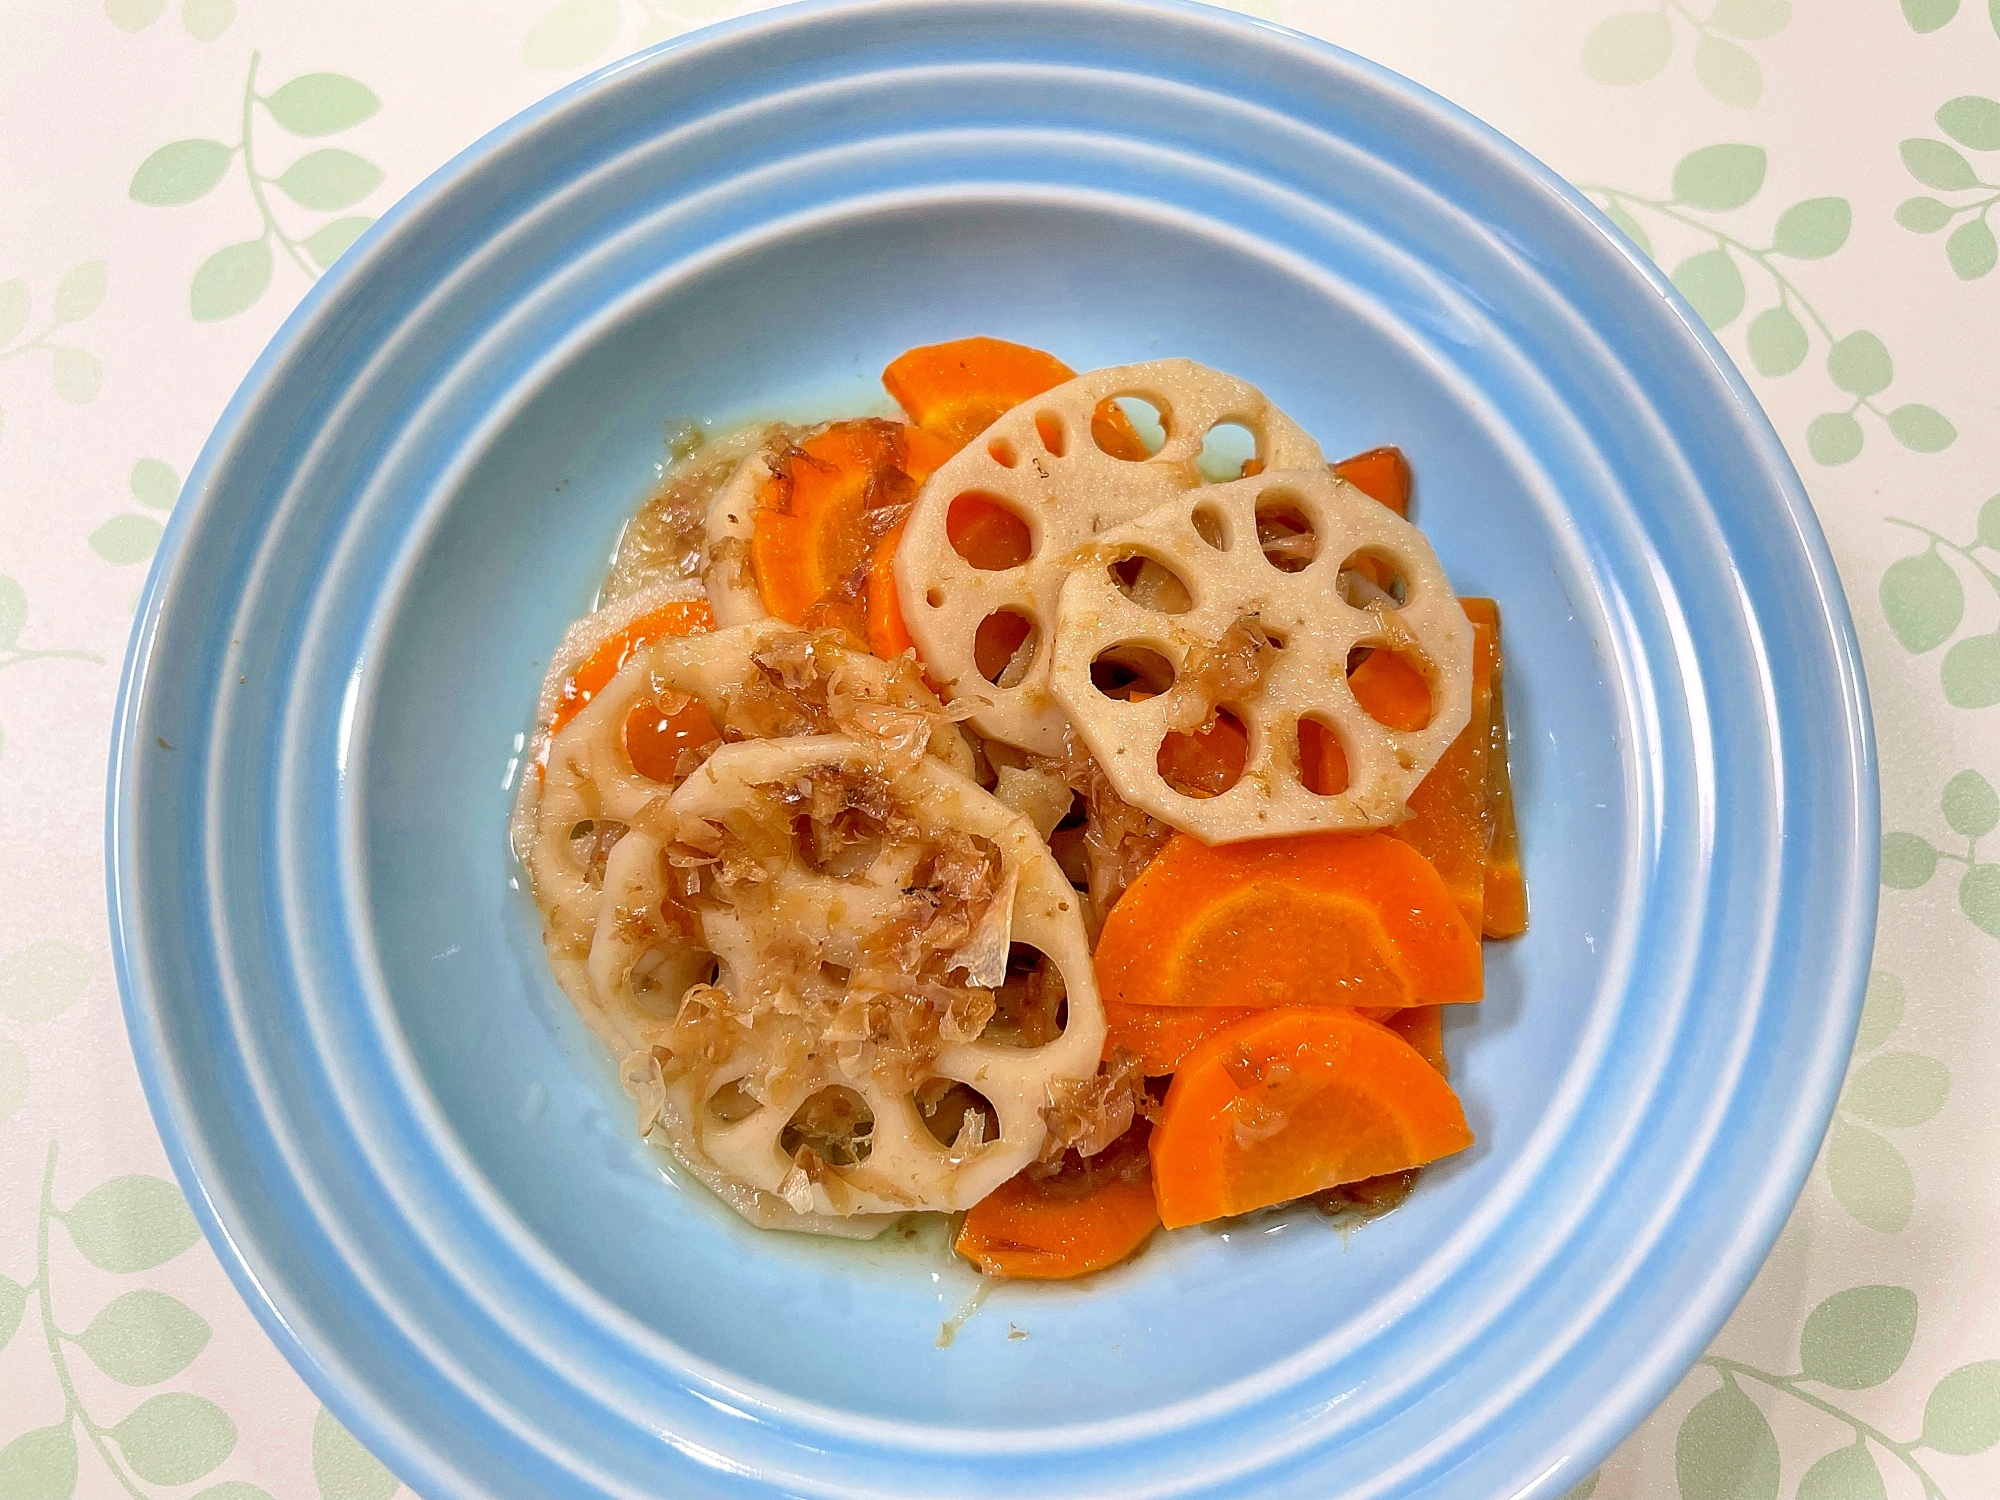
(1859,1338)
(1725,1450)
(572,34)
(13,1302)
(133,15)
(13,612)
(77,374)
(322,104)
(230,280)
(1970,805)
(1927,16)
(233,1489)
(1728,72)
(1979,898)
(81,291)
(1908,860)
(183,172)
(1881,1011)
(343,1468)
(1712,285)
(131,1223)
(144,1337)
(1859,364)
(175,1438)
(1971,672)
(1752,20)
(154,484)
(206,20)
(1845,1474)
(1963,1413)
(1897,1089)
(15,305)
(233,278)
(1921,428)
(1834,438)
(1937,165)
(127,539)
(1971,121)
(1870,1178)
(40,1465)
(1924,215)
(1778,342)
(1634,231)
(330,179)
(1814,229)
(1971,250)
(1717,178)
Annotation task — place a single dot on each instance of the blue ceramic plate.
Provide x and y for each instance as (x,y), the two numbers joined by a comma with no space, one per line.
(419,1168)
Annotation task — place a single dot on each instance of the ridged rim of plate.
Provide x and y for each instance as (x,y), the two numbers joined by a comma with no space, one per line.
(879,1454)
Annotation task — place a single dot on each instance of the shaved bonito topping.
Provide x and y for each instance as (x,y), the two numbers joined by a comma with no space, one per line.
(1040,463)
(1304,598)
(766,679)
(861,915)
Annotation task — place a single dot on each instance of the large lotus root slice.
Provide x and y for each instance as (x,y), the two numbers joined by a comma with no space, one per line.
(1041,464)
(809,978)
(1334,573)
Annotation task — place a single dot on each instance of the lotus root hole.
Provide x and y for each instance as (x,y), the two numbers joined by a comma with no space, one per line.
(1284,532)
(1049,429)
(836,1124)
(1128,427)
(1004,646)
(1205,762)
(1372,576)
(1392,686)
(1151,584)
(1002,453)
(934,597)
(732,1102)
(1322,761)
(1226,453)
(957,1114)
(987,532)
(1211,526)
(1031,1007)
(1131,672)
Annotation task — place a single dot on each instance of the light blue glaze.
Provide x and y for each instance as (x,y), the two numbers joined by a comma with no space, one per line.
(417,1165)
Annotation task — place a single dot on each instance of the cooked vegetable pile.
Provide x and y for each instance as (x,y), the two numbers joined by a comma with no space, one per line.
(1070,808)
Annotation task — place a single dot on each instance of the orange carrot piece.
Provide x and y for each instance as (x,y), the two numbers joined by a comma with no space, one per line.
(955,391)
(1451,814)
(587,680)
(1291,1101)
(1324,919)
(888,635)
(1506,911)
(654,741)
(822,512)
(1392,691)
(1208,761)
(1381,474)
(1051,1231)
(1161,1036)
(1422,1026)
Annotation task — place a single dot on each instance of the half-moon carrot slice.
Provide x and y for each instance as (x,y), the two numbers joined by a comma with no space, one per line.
(1381,474)
(1451,811)
(686,617)
(1290,1101)
(957,390)
(1324,919)
(1161,1036)
(1422,1026)
(1055,1229)
(826,506)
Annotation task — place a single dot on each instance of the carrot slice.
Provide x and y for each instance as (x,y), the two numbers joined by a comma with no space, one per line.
(1422,1026)
(1381,474)
(1392,691)
(1208,761)
(888,636)
(1161,1036)
(957,390)
(825,507)
(654,740)
(1328,919)
(1506,910)
(689,617)
(1067,1225)
(1291,1101)
(1451,811)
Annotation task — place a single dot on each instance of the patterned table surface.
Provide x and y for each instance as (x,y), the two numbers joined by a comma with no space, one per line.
(1819,176)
